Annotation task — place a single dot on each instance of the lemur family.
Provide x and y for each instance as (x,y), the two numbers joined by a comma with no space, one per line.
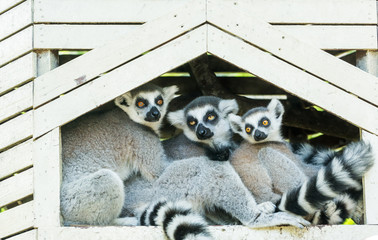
(114,162)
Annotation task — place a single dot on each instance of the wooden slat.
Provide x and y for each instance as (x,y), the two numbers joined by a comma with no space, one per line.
(273,11)
(16,101)
(16,219)
(103,59)
(11,76)
(298,53)
(16,159)
(16,130)
(345,232)
(7,4)
(47,178)
(16,187)
(29,235)
(16,45)
(119,81)
(293,80)
(15,19)
(58,36)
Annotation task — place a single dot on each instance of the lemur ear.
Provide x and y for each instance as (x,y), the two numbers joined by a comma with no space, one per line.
(276,107)
(124,101)
(177,118)
(235,123)
(228,106)
(169,92)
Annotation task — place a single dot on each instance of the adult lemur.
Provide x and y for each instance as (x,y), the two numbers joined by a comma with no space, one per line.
(101,150)
(272,172)
(207,181)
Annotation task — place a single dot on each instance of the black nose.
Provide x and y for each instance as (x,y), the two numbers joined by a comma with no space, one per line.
(258,136)
(153,115)
(203,132)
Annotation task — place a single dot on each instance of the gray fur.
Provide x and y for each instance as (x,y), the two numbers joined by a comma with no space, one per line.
(100,151)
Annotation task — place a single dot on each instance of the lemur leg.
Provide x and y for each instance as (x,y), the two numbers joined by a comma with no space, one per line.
(284,174)
(94,199)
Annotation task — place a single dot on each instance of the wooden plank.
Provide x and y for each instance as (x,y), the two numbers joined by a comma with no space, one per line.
(15,19)
(46,61)
(273,11)
(345,232)
(103,59)
(298,53)
(58,36)
(8,4)
(16,219)
(16,101)
(368,61)
(16,159)
(371,183)
(119,81)
(16,187)
(16,130)
(29,235)
(47,178)
(16,45)
(295,81)
(11,75)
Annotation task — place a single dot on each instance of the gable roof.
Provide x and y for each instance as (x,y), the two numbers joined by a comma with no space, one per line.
(199,27)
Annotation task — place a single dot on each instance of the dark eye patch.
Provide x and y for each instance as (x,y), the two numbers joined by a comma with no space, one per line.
(140,100)
(248,126)
(159,100)
(264,122)
(191,122)
(211,117)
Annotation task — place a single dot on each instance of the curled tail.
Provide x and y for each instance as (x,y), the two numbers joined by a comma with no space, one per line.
(341,173)
(178,220)
(313,155)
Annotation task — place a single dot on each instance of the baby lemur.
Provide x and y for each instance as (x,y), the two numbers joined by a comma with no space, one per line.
(102,149)
(272,172)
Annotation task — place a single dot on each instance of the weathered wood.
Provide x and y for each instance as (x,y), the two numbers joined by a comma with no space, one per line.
(16,187)
(46,61)
(16,159)
(119,81)
(368,61)
(47,178)
(16,45)
(17,72)
(93,63)
(350,232)
(8,4)
(273,11)
(16,130)
(294,80)
(16,101)
(294,51)
(16,219)
(58,36)
(15,19)
(29,235)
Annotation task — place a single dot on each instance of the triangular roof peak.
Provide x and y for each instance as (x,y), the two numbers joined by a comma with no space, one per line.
(203,26)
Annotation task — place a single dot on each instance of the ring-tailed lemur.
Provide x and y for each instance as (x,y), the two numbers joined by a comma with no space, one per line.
(102,149)
(209,184)
(270,170)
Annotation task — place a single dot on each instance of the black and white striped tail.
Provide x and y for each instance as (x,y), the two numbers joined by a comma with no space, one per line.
(342,173)
(178,220)
(313,155)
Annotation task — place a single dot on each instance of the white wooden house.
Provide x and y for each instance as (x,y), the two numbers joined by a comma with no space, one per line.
(282,42)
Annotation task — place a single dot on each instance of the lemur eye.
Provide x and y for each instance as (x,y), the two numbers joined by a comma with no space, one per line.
(192,123)
(140,104)
(265,122)
(248,129)
(211,117)
(159,102)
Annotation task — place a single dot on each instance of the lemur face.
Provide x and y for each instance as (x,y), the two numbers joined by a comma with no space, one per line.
(261,124)
(147,105)
(204,120)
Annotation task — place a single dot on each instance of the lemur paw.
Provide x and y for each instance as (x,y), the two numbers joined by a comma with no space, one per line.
(266,207)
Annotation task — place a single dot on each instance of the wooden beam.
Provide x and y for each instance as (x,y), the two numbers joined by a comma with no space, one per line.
(16,45)
(15,19)
(17,219)
(8,4)
(294,51)
(294,80)
(47,179)
(16,159)
(103,59)
(16,130)
(29,235)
